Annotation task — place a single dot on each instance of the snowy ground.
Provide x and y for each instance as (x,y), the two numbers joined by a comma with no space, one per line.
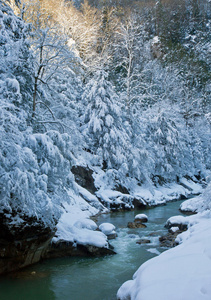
(181,273)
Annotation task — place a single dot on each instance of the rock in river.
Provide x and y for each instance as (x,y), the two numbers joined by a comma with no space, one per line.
(141,218)
(143,241)
(135,225)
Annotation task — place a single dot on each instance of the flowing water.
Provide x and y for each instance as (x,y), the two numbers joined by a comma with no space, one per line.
(92,278)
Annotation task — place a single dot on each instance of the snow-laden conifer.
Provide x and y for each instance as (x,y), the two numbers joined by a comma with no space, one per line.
(102,124)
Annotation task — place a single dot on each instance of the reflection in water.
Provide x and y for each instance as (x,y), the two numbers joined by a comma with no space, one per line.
(92,278)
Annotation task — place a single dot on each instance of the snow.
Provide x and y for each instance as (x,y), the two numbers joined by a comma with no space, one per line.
(141,216)
(162,194)
(86,223)
(199,203)
(174,229)
(76,226)
(13,85)
(153,250)
(178,220)
(91,199)
(107,228)
(183,272)
(155,40)
(109,196)
(147,194)
(36,159)
(194,187)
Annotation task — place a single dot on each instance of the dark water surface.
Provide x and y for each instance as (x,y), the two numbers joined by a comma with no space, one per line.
(92,278)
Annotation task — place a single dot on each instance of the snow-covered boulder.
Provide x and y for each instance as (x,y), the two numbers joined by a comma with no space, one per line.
(178,221)
(115,200)
(141,218)
(190,205)
(86,223)
(76,233)
(109,230)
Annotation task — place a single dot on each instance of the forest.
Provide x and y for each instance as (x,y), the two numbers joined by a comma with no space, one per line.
(120,88)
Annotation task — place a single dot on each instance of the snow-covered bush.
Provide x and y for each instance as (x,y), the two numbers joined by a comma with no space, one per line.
(16,62)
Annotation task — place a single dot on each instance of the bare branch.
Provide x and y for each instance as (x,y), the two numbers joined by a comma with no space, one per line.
(40,102)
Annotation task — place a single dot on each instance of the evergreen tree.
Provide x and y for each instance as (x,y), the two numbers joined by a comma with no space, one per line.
(102,124)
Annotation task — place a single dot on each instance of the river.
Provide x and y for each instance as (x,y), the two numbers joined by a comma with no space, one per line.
(92,278)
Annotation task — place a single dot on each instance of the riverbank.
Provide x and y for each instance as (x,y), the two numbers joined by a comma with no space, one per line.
(75,233)
(183,272)
(76,228)
(100,277)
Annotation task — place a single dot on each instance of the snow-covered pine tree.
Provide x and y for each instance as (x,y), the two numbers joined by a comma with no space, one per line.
(168,143)
(102,124)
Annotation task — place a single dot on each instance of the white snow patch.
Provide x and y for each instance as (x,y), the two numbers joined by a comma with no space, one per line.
(174,229)
(155,40)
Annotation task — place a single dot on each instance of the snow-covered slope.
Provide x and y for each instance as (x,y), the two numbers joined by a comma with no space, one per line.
(183,272)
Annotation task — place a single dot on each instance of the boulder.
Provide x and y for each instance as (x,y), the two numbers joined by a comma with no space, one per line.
(175,226)
(168,240)
(136,225)
(143,241)
(64,248)
(139,203)
(109,230)
(22,245)
(181,226)
(112,236)
(83,176)
(141,218)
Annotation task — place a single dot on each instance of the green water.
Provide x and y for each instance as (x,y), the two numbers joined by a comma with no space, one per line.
(92,278)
